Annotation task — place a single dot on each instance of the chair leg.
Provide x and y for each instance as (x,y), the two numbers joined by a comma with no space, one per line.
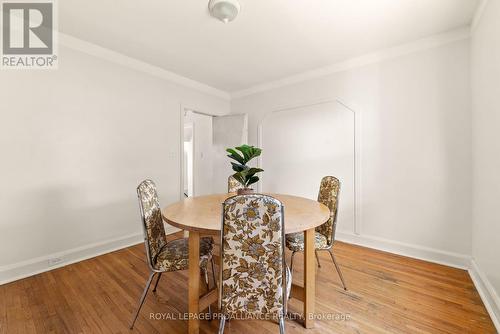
(317,258)
(205,272)
(282,325)
(288,277)
(338,269)
(157,281)
(213,272)
(291,271)
(143,297)
(221,324)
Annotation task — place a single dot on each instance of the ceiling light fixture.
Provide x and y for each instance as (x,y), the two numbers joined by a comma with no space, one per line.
(224,10)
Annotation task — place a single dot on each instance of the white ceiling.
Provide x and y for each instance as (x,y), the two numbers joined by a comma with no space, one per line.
(269,40)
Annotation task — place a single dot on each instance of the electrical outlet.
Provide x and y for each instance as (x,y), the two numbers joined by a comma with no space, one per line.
(54,261)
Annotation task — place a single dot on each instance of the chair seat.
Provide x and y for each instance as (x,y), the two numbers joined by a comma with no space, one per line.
(295,241)
(175,254)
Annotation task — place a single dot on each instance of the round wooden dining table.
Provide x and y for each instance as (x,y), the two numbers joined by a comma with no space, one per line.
(202,216)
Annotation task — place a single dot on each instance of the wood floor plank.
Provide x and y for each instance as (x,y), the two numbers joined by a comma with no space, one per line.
(387,293)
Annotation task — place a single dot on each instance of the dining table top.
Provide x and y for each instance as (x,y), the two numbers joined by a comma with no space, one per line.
(203,213)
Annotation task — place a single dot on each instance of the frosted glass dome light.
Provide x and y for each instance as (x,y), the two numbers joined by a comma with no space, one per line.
(224,10)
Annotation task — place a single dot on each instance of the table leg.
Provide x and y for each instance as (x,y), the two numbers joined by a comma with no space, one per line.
(194,282)
(309,278)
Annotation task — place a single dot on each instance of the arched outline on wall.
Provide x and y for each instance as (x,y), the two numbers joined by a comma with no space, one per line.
(357,184)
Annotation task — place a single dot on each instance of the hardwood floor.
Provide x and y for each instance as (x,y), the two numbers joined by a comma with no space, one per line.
(387,294)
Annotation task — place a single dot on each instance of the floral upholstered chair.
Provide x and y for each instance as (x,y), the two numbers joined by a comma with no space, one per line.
(163,256)
(253,274)
(325,233)
(233,185)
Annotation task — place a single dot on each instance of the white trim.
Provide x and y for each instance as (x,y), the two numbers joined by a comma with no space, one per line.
(478,14)
(356,149)
(138,65)
(14,272)
(183,112)
(375,57)
(487,292)
(446,258)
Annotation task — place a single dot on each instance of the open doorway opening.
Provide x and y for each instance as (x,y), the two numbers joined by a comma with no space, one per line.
(205,137)
(198,154)
(187,172)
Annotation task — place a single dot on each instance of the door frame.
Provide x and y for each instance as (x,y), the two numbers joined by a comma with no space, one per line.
(191,125)
(182,114)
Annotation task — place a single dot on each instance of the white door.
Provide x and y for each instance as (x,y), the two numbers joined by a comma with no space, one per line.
(202,153)
(228,131)
(301,145)
(187,173)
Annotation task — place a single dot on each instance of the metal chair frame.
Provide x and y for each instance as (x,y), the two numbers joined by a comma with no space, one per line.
(329,249)
(154,271)
(284,274)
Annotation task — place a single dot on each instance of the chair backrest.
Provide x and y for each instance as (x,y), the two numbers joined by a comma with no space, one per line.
(252,257)
(154,231)
(233,185)
(329,195)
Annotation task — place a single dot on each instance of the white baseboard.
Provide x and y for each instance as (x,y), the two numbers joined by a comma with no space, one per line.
(489,296)
(451,259)
(41,264)
(487,292)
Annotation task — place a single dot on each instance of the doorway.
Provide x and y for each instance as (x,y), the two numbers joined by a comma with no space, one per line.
(198,154)
(204,166)
(187,172)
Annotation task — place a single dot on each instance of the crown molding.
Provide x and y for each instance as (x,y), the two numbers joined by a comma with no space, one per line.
(138,65)
(371,58)
(478,14)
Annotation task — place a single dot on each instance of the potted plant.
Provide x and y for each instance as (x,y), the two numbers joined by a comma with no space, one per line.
(245,174)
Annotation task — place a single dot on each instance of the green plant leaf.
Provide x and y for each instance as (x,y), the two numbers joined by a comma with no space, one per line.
(252,180)
(246,151)
(240,177)
(256,152)
(249,152)
(244,174)
(235,155)
(238,167)
(252,171)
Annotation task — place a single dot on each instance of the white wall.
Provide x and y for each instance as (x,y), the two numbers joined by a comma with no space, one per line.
(414,143)
(75,142)
(304,144)
(485,74)
(229,131)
